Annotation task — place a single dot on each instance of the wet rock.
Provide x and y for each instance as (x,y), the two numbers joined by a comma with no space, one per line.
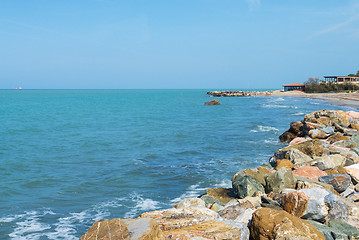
(213,102)
(295,203)
(342,227)
(279,180)
(284,163)
(310,172)
(187,223)
(127,229)
(329,161)
(224,195)
(340,182)
(353,171)
(337,208)
(287,137)
(268,224)
(316,209)
(190,202)
(244,186)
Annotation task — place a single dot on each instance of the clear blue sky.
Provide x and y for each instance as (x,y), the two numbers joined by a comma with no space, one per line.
(175,43)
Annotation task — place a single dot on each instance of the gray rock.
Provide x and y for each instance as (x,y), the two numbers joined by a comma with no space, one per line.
(209,201)
(344,143)
(297,157)
(328,130)
(328,161)
(340,182)
(337,208)
(283,178)
(316,209)
(355,149)
(345,228)
(324,229)
(348,193)
(244,186)
(355,139)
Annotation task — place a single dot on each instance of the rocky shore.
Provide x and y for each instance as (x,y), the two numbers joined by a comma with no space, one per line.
(239,93)
(309,189)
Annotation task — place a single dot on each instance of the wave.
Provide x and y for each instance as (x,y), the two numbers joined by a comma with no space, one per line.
(261,128)
(278,106)
(298,114)
(193,191)
(142,205)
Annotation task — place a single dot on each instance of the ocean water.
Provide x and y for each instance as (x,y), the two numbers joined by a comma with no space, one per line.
(71,157)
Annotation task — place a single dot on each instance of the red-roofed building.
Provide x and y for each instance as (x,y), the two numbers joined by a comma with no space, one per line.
(294,87)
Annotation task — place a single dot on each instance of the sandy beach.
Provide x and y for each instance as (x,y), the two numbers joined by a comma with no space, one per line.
(346,99)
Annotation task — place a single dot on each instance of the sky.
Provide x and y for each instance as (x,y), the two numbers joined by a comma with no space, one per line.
(175,44)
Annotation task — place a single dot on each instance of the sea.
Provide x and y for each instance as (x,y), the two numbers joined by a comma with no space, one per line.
(71,157)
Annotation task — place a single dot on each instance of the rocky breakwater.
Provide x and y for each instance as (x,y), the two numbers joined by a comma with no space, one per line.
(239,93)
(309,189)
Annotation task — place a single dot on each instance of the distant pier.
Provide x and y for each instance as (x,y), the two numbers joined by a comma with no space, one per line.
(239,93)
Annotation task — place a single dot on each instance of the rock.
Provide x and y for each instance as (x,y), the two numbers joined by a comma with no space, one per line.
(209,201)
(348,193)
(340,182)
(298,140)
(312,148)
(187,223)
(287,136)
(216,207)
(355,139)
(317,134)
(190,202)
(303,182)
(316,209)
(213,102)
(244,186)
(356,188)
(270,203)
(295,203)
(353,114)
(327,231)
(345,143)
(276,181)
(268,224)
(353,171)
(284,163)
(141,228)
(328,130)
(224,195)
(237,213)
(338,117)
(298,158)
(337,137)
(257,173)
(345,228)
(329,161)
(309,172)
(354,126)
(337,208)
(296,127)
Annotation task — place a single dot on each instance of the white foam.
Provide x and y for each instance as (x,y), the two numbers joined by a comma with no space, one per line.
(298,114)
(271,141)
(192,191)
(142,205)
(278,106)
(261,128)
(225,183)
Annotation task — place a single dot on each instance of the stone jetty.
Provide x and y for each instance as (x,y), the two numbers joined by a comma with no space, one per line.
(309,189)
(239,93)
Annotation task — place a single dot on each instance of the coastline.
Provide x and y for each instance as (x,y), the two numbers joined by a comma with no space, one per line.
(313,183)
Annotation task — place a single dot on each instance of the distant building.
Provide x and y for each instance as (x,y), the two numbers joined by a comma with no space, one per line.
(341,79)
(294,87)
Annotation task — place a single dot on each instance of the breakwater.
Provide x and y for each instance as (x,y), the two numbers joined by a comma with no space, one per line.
(239,93)
(307,190)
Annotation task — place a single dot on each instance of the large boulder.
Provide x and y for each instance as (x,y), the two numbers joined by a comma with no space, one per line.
(343,227)
(188,223)
(340,182)
(126,229)
(316,209)
(312,148)
(295,203)
(190,202)
(269,224)
(338,210)
(237,213)
(213,102)
(329,161)
(244,186)
(284,163)
(310,172)
(328,117)
(337,137)
(287,137)
(353,114)
(298,158)
(224,195)
(258,173)
(283,178)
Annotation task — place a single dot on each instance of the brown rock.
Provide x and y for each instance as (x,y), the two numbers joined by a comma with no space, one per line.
(303,182)
(321,120)
(257,173)
(309,172)
(213,102)
(269,224)
(295,203)
(311,148)
(331,171)
(224,195)
(284,163)
(354,126)
(295,127)
(287,136)
(298,140)
(197,222)
(337,137)
(126,229)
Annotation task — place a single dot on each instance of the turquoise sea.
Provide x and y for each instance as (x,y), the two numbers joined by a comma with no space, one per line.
(71,157)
